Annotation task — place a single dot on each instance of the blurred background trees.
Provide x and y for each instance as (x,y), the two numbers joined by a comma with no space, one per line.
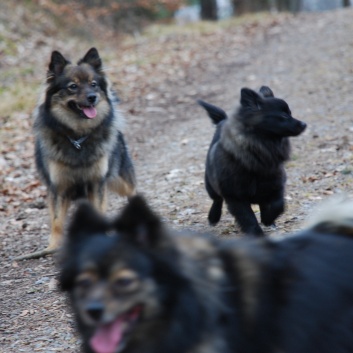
(209,10)
(131,15)
(244,6)
(247,6)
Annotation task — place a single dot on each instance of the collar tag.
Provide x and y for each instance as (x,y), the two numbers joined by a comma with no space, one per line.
(77,143)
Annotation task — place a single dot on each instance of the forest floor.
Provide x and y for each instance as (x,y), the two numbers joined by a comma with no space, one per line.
(306,59)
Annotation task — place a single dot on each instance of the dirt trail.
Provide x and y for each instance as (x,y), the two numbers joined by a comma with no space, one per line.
(308,60)
(309,63)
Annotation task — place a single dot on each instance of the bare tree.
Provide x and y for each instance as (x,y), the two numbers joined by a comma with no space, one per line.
(289,5)
(243,6)
(209,10)
(346,3)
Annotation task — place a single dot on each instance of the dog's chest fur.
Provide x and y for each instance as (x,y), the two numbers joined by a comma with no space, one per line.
(253,152)
(60,145)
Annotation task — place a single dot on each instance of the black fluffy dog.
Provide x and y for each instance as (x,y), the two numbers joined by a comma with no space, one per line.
(245,160)
(137,287)
(296,295)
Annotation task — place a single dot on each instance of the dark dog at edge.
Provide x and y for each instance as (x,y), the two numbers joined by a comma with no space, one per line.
(245,160)
(136,286)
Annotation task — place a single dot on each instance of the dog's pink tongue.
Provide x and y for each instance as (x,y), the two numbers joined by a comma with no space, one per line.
(90,112)
(107,338)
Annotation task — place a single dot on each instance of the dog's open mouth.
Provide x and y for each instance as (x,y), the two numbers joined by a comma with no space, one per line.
(89,111)
(110,338)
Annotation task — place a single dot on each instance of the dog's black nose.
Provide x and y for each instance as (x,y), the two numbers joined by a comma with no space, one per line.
(302,125)
(92,98)
(95,311)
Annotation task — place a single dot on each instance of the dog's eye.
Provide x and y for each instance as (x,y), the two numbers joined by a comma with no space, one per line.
(85,280)
(73,86)
(94,84)
(84,283)
(124,282)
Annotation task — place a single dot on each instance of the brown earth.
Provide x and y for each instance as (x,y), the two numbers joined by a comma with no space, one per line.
(306,59)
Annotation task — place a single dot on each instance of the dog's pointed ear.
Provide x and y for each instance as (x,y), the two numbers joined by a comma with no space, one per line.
(266,92)
(86,222)
(57,64)
(139,224)
(250,99)
(92,58)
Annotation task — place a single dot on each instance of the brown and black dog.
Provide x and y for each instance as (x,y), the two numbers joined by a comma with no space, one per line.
(79,147)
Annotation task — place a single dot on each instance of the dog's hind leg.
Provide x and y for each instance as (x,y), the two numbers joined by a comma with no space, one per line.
(122,187)
(215,213)
(271,211)
(124,181)
(245,217)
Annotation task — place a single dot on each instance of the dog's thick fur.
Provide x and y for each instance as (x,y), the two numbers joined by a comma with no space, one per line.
(144,288)
(245,160)
(295,295)
(79,148)
(139,289)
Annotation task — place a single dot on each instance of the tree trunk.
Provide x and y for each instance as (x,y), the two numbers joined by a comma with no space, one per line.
(346,3)
(289,5)
(243,6)
(209,10)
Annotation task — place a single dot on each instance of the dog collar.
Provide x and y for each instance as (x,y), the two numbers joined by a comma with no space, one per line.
(77,143)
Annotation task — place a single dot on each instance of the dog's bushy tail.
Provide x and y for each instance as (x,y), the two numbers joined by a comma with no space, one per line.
(335,216)
(216,114)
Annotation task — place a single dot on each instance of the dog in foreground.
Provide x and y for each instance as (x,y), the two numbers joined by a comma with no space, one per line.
(79,147)
(245,160)
(136,286)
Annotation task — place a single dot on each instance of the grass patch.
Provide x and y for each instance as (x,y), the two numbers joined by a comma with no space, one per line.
(19,97)
(202,27)
(7,45)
